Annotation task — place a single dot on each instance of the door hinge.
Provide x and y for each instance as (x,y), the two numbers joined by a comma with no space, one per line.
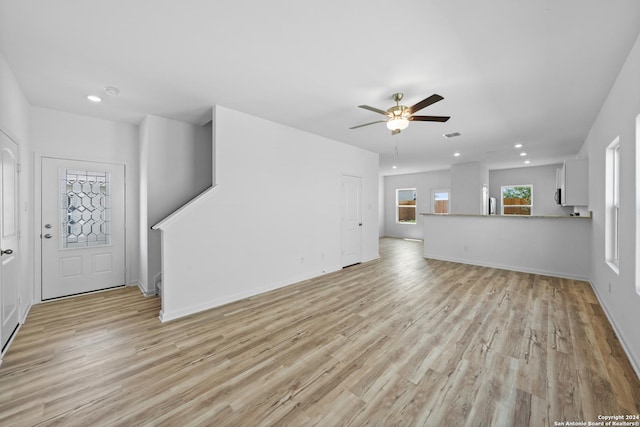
(18,167)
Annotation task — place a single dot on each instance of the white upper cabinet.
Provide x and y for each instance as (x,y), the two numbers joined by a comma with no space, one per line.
(574,182)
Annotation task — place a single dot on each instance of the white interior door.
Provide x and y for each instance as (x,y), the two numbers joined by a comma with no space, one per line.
(9,266)
(83,232)
(351,206)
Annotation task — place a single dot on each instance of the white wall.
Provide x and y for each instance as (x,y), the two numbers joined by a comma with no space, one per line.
(273,218)
(543,180)
(550,246)
(424,183)
(14,121)
(467,180)
(65,135)
(176,165)
(618,118)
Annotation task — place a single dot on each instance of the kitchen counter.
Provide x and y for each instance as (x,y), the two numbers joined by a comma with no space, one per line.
(547,245)
(514,216)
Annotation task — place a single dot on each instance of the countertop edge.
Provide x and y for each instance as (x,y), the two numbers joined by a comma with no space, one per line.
(513,216)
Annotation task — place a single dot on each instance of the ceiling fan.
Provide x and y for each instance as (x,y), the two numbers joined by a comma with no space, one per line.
(399,116)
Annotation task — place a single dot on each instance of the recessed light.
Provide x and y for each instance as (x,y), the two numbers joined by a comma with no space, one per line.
(526,162)
(523,154)
(518,145)
(94,98)
(394,167)
(456,154)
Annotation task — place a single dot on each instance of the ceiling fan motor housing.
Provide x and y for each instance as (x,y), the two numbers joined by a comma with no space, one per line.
(399,111)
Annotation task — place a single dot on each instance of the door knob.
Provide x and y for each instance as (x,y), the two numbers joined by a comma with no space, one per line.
(47,236)
(7,252)
(47,226)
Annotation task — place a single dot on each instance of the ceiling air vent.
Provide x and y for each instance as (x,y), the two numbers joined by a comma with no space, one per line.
(451,135)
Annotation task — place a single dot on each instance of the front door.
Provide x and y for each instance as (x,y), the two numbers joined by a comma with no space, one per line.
(83,230)
(9,266)
(351,220)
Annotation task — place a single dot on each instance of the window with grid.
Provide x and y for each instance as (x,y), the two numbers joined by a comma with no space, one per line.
(612,195)
(440,202)
(517,199)
(406,205)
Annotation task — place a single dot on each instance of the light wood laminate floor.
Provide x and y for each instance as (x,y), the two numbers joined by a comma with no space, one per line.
(397,341)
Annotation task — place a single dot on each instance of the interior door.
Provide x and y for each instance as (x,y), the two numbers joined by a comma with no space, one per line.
(485,199)
(82,230)
(9,265)
(351,220)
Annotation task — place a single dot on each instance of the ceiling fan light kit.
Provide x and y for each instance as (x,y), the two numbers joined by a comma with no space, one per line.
(397,123)
(399,116)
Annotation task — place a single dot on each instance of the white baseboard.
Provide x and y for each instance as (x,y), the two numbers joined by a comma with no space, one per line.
(165,317)
(635,364)
(26,313)
(144,292)
(13,337)
(560,274)
(373,258)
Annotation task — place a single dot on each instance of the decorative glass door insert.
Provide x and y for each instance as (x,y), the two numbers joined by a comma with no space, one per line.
(86,208)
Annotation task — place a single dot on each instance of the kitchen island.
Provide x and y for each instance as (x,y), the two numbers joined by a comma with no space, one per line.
(549,245)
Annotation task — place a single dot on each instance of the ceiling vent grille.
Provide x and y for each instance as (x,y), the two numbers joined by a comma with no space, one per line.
(451,135)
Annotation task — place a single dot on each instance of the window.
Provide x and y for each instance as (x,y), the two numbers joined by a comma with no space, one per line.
(517,199)
(406,205)
(440,200)
(616,205)
(86,208)
(637,205)
(612,196)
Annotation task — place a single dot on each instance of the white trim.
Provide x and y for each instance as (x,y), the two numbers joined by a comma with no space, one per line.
(79,294)
(12,136)
(146,294)
(37,218)
(611,194)
(165,317)
(19,192)
(559,274)
(373,258)
(134,283)
(26,313)
(636,274)
(8,344)
(414,206)
(162,225)
(635,364)
(435,190)
(530,206)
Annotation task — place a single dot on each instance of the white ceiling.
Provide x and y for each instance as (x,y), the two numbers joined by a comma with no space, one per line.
(534,72)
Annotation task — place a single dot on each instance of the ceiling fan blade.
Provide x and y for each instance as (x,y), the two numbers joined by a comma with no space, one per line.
(429,118)
(375,110)
(367,124)
(425,103)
